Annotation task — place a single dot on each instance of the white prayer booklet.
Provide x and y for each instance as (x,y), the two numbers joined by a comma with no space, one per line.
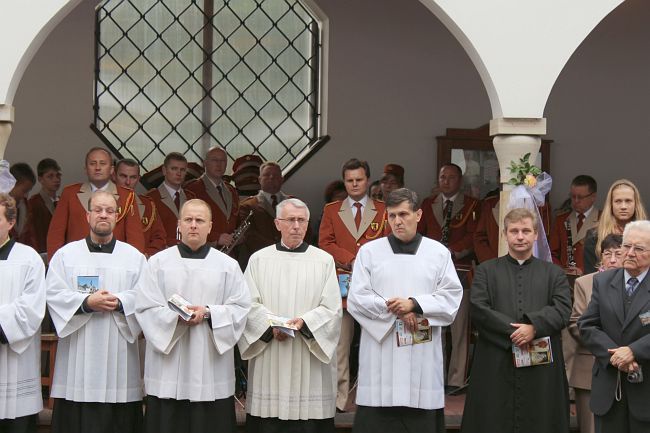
(423,333)
(282,324)
(180,305)
(537,352)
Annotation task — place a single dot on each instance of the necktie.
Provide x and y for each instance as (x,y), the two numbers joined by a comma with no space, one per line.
(630,288)
(581,219)
(445,228)
(274,201)
(177,200)
(54,203)
(357,217)
(219,188)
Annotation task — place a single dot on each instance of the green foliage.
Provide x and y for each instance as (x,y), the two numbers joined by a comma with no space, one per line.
(519,170)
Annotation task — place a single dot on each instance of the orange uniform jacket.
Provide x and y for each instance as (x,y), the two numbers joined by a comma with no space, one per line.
(167,212)
(224,215)
(486,236)
(69,221)
(559,239)
(152,227)
(464,217)
(262,231)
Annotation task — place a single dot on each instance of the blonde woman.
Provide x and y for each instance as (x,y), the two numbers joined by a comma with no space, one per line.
(622,205)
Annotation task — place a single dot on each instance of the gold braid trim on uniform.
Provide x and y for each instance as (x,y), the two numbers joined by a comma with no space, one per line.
(128,205)
(380,230)
(152,218)
(465,217)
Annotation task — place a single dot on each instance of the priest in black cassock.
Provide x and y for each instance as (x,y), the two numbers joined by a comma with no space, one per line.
(515,299)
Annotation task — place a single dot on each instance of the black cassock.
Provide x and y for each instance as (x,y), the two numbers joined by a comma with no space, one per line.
(502,398)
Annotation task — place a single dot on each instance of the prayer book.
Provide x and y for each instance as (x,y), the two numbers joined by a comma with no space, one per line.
(180,305)
(423,333)
(282,324)
(537,352)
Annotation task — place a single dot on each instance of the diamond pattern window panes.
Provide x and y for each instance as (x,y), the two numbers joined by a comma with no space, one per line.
(184,75)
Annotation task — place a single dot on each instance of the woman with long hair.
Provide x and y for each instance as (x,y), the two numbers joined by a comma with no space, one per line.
(622,205)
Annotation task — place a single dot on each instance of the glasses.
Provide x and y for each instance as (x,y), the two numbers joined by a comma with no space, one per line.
(581,197)
(99,210)
(637,249)
(292,221)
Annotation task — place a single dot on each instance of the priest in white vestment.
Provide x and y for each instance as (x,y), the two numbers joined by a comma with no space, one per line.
(91,290)
(189,364)
(292,378)
(402,282)
(22,307)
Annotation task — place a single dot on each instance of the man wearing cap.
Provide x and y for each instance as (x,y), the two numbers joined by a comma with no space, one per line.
(245,175)
(262,231)
(170,196)
(127,175)
(69,220)
(221,196)
(347,225)
(393,179)
(450,218)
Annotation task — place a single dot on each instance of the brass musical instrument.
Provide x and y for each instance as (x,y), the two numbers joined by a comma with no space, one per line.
(237,234)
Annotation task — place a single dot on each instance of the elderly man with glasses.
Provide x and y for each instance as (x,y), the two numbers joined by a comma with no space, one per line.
(616,329)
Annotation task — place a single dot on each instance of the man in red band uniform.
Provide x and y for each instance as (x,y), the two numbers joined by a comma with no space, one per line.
(486,236)
(346,225)
(262,231)
(582,217)
(170,196)
(127,175)
(221,196)
(40,207)
(69,220)
(450,218)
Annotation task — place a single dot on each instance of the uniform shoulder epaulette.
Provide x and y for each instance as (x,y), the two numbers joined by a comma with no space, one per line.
(333,202)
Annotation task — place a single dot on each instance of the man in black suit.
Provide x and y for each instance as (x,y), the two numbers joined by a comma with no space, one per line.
(616,328)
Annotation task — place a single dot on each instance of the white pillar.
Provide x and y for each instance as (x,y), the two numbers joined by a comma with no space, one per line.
(6,122)
(513,138)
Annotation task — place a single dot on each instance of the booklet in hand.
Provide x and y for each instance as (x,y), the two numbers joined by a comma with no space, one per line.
(423,333)
(281,323)
(180,305)
(537,352)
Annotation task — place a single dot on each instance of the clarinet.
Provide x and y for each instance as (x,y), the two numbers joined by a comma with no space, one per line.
(571,261)
(237,234)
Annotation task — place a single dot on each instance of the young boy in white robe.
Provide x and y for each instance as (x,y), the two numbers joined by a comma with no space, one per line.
(189,364)
(407,283)
(292,381)
(22,307)
(91,288)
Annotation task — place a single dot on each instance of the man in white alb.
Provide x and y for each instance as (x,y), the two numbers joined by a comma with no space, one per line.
(399,281)
(91,288)
(22,307)
(292,378)
(189,365)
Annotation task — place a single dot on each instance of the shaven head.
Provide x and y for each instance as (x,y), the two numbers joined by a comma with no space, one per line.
(195,223)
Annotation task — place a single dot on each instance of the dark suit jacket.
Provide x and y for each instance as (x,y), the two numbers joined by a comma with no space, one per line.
(224,214)
(40,209)
(166,209)
(603,326)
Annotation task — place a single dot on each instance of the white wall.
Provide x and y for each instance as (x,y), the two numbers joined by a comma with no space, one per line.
(397,78)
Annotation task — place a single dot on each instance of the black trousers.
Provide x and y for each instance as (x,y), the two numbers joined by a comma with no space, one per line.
(22,424)
(398,420)
(80,417)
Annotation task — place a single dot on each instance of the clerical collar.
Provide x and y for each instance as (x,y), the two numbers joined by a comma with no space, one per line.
(6,247)
(187,253)
(280,246)
(516,261)
(400,247)
(100,248)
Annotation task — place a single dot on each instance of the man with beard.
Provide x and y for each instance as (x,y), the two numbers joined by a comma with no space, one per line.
(91,289)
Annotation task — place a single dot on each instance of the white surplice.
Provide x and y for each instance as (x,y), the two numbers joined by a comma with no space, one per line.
(389,375)
(22,307)
(294,379)
(97,356)
(185,362)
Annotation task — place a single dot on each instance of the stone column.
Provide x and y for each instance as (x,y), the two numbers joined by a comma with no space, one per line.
(513,138)
(6,121)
